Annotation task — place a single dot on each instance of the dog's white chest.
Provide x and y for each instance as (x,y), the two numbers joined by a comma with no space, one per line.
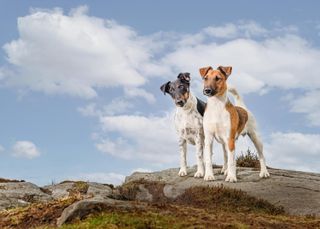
(216,119)
(188,124)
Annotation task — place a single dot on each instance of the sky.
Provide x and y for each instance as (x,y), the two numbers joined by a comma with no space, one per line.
(79,82)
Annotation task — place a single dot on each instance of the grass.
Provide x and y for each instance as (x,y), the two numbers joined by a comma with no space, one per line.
(226,199)
(248,159)
(176,216)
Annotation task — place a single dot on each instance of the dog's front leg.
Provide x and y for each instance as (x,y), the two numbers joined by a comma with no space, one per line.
(208,139)
(183,157)
(199,149)
(231,174)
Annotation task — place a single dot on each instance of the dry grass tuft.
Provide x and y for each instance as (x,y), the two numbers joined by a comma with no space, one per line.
(248,159)
(36,214)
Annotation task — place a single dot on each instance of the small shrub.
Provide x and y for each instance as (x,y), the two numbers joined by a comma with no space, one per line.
(248,159)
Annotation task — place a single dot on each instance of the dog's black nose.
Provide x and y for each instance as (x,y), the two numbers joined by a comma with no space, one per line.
(207,91)
(180,103)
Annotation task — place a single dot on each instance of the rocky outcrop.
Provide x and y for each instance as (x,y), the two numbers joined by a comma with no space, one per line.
(297,192)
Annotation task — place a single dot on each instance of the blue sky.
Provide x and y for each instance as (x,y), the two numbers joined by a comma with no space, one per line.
(79,82)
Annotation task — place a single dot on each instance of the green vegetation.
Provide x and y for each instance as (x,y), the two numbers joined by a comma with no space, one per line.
(176,216)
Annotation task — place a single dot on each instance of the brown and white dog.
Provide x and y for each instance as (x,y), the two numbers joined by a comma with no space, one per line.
(224,122)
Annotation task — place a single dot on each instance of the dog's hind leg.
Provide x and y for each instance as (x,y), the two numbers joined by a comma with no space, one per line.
(224,169)
(183,157)
(259,146)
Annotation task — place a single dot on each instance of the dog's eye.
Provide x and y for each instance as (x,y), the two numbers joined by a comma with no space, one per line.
(181,86)
(218,78)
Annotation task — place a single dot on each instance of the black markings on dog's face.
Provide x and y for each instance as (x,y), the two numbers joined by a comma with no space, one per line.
(178,89)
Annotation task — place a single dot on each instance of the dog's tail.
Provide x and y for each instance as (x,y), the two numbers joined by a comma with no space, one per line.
(238,100)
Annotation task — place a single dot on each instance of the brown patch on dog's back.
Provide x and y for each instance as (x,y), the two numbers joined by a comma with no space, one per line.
(243,118)
(234,119)
(238,119)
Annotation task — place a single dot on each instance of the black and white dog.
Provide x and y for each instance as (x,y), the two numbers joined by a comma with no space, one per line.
(188,120)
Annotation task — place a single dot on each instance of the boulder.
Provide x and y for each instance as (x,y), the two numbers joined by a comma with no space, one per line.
(87,189)
(19,194)
(297,192)
(83,208)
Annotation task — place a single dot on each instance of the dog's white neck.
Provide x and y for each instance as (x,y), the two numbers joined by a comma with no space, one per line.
(218,99)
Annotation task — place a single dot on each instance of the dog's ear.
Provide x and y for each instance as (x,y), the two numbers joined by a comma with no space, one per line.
(203,71)
(165,87)
(225,70)
(184,77)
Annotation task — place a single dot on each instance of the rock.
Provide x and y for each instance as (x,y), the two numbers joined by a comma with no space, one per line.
(297,192)
(59,191)
(68,188)
(99,190)
(83,208)
(18,194)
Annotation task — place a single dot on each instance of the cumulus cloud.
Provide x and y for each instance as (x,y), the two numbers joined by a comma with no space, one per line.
(308,104)
(74,54)
(294,150)
(232,30)
(116,106)
(150,138)
(101,177)
(25,149)
(276,62)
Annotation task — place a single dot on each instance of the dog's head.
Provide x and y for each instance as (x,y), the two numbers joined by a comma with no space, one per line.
(178,89)
(215,81)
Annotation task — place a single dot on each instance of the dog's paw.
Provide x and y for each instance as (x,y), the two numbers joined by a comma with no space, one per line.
(231,179)
(199,174)
(264,174)
(209,177)
(224,170)
(183,172)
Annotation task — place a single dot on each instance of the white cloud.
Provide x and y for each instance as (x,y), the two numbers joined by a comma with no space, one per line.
(25,149)
(141,170)
(116,106)
(101,177)
(241,29)
(75,54)
(2,149)
(142,138)
(279,62)
(308,104)
(138,92)
(294,151)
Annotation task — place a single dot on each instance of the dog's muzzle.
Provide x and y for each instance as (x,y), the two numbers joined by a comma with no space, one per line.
(180,103)
(208,92)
